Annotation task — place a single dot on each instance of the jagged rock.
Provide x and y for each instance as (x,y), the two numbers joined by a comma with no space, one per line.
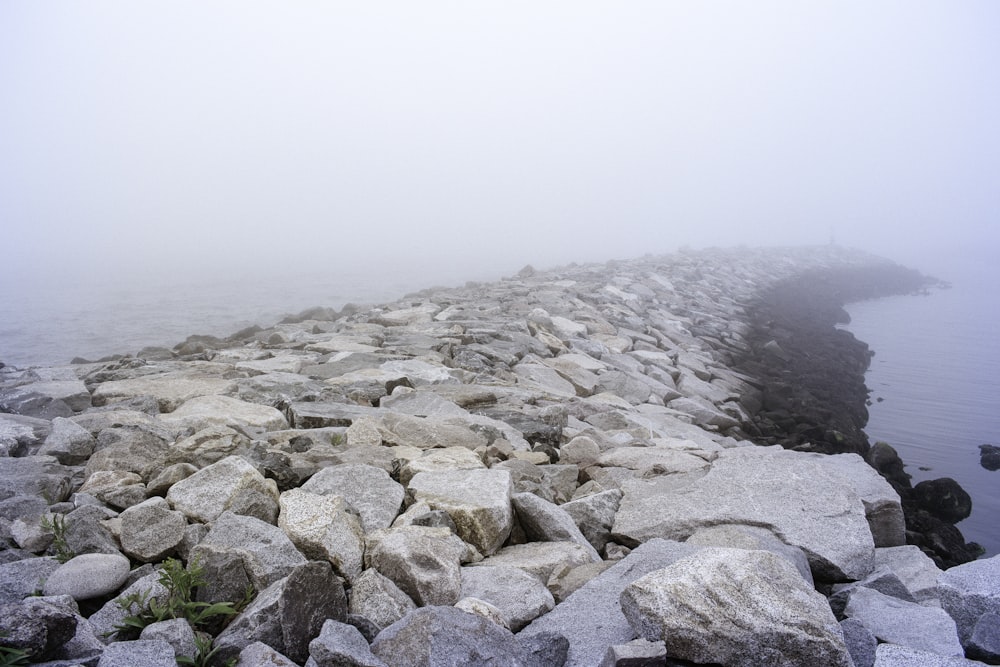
(341,645)
(159,485)
(793,496)
(425,563)
(543,521)
(88,576)
(177,632)
(861,643)
(20,434)
(448,636)
(893,655)
(581,450)
(287,614)
(913,567)
(759,611)
(36,627)
(430,432)
(882,580)
(226,578)
(151,531)
(752,537)
(437,460)
(649,461)
(266,552)
(478,501)
(540,559)
(378,599)
(231,484)
(259,654)
(68,442)
(984,644)
(324,528)
(41,476)
(968,591)
(518,595)
(594,515)
(703,413)
(989,457)
(170,389)
(624,385)
(483,608)
(207,446)
(85,531)
(204,411)
(906,623)
(565,581)
(636,653)
(117,488)
(368,489)
(128,449)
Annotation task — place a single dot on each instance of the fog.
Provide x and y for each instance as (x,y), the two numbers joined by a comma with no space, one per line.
(138,138)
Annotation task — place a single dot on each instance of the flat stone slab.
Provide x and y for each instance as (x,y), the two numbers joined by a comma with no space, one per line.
(798,499)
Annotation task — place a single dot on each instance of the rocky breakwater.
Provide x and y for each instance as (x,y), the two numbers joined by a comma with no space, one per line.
(558,468)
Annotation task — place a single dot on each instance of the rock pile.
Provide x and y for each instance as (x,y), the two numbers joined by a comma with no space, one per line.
(558,468)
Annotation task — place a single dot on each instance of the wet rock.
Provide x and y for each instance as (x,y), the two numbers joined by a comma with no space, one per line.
(989,457)
(943,498)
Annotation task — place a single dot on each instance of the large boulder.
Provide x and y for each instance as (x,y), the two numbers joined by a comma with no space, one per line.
(478,501)
(378,599)
(759,611)
(68,442)
(88,576)
(368,489)
(266,552)
(170,389)
(204,411)
(233,485)
(897,621)
(151,530)
(424,562)
(968,591)
(324,528)
(520,597)
(541,559)
(287,614)
(340,645)
(795,497)
(591,618)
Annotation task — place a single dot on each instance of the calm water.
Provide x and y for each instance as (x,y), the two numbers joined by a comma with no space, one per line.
(937,369)
(51,322)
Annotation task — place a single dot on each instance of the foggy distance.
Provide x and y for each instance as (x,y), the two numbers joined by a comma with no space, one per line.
(468,139)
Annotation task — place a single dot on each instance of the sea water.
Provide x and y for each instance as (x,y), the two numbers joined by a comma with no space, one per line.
(935,385)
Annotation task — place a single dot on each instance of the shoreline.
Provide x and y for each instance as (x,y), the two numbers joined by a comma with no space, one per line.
(550,437)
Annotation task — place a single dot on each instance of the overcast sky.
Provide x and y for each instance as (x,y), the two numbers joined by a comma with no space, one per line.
(137,135)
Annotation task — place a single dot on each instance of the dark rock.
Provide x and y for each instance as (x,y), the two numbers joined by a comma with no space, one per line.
(886,461)
(341,645)
(943,498)
(21,578)
(861,643)
(36,627)
(989,457)
(984,644)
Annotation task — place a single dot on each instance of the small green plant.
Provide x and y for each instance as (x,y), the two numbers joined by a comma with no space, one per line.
(13,657)
(203,653)
(181,584)
(57,524)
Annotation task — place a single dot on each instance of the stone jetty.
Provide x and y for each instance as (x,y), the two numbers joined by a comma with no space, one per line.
(658,461)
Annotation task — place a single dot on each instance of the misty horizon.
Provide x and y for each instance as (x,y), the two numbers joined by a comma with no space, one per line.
(221,138)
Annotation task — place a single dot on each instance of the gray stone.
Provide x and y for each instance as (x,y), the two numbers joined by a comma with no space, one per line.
(543,521)
(207,446)
(378,599)
(791,495)
(860,642)
(20,434)
(447,636)
(266,552)
(151,531)
(567,580)
(116,488)
(341,645)
(226,578)
(159,485)
(177,632)
(88,576)
(170,389)
(68,442)
(139,653)
(324,528)
(203,411)
(443,459)
(594,515)
(85,531)
(41,476)
(591,618)
(760,611)
(906,623)
(518,595)
(540,559)
(880,579)
(970,590)
(287,614)
(369,490)
(636,653)
(882,505)
(36,626)
(893,655)
(485,609)
(21,578)
(231,484)
(984,644)
(624,385)
(752,537)
(913,567)
(650,461)
(478,501)
(259,654)
(106,620)
(425,563)
(129,449)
